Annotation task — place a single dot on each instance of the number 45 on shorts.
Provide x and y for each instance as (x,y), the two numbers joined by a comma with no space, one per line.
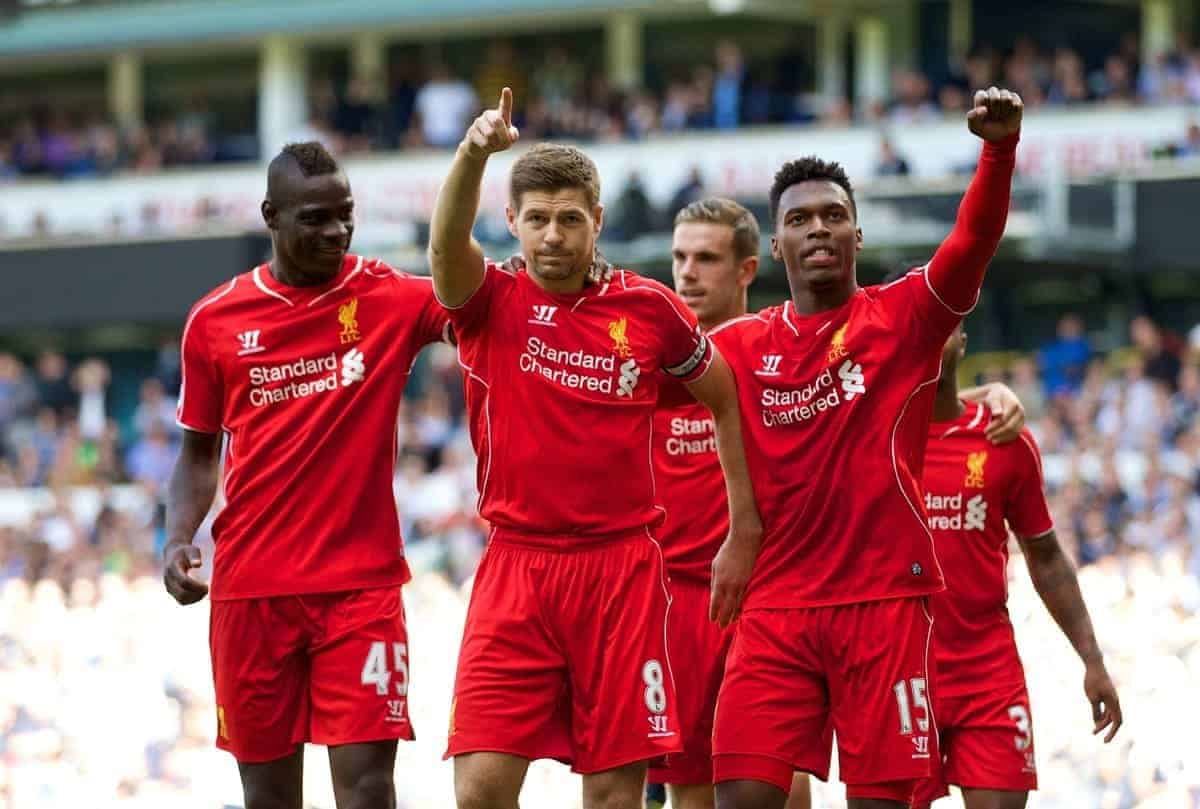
(375,670)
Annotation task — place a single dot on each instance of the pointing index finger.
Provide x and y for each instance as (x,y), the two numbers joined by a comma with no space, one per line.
(506,105)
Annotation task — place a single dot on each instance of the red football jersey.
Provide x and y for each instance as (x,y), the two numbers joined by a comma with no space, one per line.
(973,488)
(836,408)
(691,484)
(561,391)
(306,384)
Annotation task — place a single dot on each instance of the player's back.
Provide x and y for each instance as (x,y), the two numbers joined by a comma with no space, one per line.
(973,490)
(561,391)
(306,383)
(837,406)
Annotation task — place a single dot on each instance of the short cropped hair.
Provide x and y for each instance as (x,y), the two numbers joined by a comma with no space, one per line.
(311,157)
(553,167)
(721,211)
(805,169)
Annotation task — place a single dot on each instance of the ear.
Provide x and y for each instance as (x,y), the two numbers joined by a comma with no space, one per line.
(775,253)
(858,239)
(747,271)
(510,215)
(598,218)
(270,215)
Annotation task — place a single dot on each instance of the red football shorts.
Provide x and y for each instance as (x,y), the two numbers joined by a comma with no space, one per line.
(329,668)
(793,676)
(986,742)
(564,654)
(698,649)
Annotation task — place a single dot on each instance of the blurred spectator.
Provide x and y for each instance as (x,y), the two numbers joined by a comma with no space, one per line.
(499,70)
(1063,361)
(445,106)
(691,190)
(890,163)
(727,86)
(54,388)
(633,213)
(154,408)
(1162,363)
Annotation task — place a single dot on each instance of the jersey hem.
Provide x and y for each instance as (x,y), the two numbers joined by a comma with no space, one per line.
(806,604)
(376,584)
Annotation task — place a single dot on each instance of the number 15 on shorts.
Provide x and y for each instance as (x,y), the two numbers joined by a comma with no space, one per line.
(910,697)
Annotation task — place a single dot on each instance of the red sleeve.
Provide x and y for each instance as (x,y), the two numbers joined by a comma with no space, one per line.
(1027,512)
(954,275)
(686,352)
(200,395)
(432,319)
(472,313)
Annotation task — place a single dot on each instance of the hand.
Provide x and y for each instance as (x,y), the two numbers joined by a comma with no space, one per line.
(1106,708)
(1008,414)
(996,114)
(731,571)
(493,131)
(179,560)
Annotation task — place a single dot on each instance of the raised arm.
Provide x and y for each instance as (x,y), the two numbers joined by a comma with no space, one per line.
(190,494)
(1054,579)
(1008,414)
(734,562)
(956,272)
(455,258)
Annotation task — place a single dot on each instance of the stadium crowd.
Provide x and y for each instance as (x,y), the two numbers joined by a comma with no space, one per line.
(86,631)
(425,103)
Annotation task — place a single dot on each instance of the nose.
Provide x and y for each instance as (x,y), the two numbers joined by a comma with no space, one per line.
(337,230)
(818,228)
(687,270)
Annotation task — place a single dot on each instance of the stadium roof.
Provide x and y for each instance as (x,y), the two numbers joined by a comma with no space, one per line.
(101,27)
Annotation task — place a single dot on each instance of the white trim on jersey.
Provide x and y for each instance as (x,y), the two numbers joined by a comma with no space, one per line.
(925,272)
(357,268)
(258,282)
(896,468)
(787,321)
(183,347)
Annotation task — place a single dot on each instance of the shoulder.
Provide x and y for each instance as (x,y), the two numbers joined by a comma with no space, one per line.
(627,282)
(216,299)
(896,288)
(747,325)
(376,271)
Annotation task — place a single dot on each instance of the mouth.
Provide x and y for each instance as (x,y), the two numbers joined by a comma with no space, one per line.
(690,296)
(820,256)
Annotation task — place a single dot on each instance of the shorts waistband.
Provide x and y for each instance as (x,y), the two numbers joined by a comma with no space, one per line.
(566,543)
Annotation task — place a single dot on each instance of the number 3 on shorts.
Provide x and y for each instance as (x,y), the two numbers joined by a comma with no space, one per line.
(1020,718)
(375,669)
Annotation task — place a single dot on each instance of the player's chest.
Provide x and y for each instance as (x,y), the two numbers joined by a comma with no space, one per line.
(279,355)
(796,381)
(598,353)
(965,488)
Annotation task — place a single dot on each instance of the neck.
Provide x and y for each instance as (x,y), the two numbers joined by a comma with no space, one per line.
(946,404)
(737,310)
(291,276)
(571,285)
(809,299)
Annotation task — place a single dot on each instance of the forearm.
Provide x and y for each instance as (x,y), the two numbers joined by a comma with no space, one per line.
(1057,585)
(957,269)
(190,494)
(455,261)
(732,454)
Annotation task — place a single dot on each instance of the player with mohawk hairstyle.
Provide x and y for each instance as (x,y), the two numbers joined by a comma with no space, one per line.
(300,365)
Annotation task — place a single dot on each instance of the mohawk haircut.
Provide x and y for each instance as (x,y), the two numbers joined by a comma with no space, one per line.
(805,169)
(312,158)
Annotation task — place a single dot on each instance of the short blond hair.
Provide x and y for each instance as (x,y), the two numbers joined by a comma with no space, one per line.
(553,167)
(722,211)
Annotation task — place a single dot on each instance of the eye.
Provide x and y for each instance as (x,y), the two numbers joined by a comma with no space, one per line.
(836,214)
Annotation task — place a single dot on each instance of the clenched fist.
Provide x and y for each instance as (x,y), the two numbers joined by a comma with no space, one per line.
(493,130)
(996,114)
